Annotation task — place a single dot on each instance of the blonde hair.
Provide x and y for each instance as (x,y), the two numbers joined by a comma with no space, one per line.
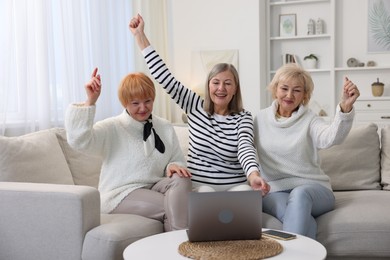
(135,86)
(293,71)
(235,105)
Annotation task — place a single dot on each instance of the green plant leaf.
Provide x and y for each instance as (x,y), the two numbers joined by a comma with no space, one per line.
(311,56)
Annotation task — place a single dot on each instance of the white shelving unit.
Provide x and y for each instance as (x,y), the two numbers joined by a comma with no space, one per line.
(302,44)
(328,47)
(373,109)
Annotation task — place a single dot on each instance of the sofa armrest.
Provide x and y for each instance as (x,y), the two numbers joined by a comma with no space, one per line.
(46,221)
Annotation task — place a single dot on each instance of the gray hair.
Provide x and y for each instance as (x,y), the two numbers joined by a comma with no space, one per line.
(235,105)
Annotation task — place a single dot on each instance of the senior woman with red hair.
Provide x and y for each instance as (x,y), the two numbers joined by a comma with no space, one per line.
(143,170)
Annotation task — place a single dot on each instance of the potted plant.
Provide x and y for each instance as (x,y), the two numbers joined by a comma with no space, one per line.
(310,61)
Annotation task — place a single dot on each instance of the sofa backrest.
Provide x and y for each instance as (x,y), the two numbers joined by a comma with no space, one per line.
(355,163)
(385,158)
(362,161)
(183,136)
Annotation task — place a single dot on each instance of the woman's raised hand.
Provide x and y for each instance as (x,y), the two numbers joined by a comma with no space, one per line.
(136,27)
(349,95)
(136,24)
(93,88)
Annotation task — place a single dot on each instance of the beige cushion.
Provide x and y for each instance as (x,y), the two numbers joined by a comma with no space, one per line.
(182,135)
(115,233)
(358,227)
(35,157)
(354,164)
(85,168)
(385,158)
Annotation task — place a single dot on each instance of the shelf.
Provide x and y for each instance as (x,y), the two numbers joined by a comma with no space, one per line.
(283,2)
(372,98)
(361,68)
(329,47)
(308,70)
(301,37)
(302,44)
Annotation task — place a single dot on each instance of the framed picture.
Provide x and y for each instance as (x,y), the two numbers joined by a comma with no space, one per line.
(378,26)
(287,25)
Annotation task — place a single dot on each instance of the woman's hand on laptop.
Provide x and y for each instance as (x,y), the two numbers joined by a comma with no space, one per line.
(258,183)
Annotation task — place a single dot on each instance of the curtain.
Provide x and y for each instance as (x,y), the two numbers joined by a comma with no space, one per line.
(48,50)
(154,13)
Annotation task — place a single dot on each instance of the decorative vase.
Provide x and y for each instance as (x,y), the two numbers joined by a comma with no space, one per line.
(319,26)
(310,27)
(310,63)
(377,88)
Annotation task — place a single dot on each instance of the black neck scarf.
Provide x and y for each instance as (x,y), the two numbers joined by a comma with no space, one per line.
(147,137)
(148,128)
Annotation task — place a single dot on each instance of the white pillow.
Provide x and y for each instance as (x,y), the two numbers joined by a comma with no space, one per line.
(385,158)
(85,168)
(35,157)
(354,164)
(183,136)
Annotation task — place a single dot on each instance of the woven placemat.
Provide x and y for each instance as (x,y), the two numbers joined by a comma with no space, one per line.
(232,249)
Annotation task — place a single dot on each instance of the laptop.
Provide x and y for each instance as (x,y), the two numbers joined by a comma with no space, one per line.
(224,215)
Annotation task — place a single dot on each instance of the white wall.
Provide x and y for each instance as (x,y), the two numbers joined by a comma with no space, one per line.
(352,30)
(220,25)
(239,24)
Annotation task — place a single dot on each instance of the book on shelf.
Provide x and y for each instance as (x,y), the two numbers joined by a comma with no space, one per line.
(290,58)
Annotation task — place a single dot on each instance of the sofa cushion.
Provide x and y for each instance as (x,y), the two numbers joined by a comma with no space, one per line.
(385,158)
(35,157)
(116,232)
(269,221)
(85,168)
(183,136)
(354,164)
(358,227)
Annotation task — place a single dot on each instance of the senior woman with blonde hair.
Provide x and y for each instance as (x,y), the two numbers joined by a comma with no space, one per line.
(288,135)
(143,170)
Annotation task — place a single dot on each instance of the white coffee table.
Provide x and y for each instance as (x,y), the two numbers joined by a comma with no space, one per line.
(165,246)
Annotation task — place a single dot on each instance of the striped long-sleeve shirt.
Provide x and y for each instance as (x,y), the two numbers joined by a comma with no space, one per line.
(221,148)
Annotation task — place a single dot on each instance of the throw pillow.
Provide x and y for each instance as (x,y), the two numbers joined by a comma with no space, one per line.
(385,158)
(85,168)
(35,157)
(183,136)
(354,164)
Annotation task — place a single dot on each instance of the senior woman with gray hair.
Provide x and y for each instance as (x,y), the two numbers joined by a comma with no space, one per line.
(221,155)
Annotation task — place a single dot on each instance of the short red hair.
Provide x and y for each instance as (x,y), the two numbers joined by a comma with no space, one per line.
(135,86)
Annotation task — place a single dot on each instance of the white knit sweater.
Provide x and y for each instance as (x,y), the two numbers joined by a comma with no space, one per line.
(119,141)
(288,149)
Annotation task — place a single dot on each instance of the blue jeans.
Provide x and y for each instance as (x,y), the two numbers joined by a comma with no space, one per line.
(298,208)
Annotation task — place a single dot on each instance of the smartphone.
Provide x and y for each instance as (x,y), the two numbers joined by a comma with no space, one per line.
(278,234)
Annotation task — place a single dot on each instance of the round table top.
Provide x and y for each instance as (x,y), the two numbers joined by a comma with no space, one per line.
(165,246)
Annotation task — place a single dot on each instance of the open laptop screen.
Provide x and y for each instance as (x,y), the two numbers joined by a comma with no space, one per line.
(224,215)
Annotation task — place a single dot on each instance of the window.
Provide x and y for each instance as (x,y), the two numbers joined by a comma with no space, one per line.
(48,50)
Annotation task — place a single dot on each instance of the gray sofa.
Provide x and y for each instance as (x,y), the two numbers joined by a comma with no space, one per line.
(50,206)
(359,168)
